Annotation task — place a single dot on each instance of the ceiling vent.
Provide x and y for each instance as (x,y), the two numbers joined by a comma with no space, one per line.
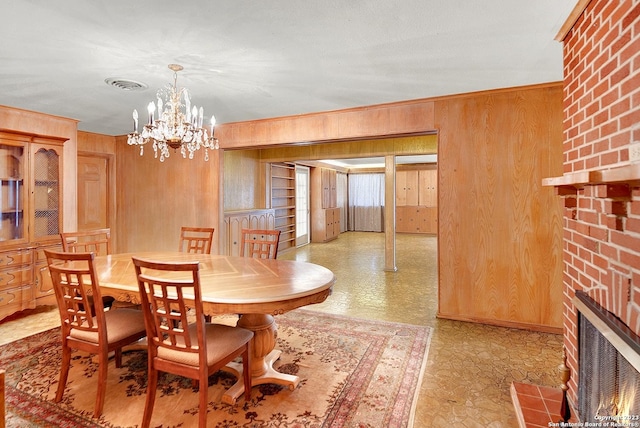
(126,84)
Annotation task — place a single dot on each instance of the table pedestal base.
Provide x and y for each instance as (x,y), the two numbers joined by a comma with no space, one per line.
(271,375)
(263,355)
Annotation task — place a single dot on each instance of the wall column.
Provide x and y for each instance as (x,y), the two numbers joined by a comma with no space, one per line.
(390,213)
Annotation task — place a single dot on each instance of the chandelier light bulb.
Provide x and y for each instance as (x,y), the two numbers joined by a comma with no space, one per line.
(178,125)
(151,108)
(135,121)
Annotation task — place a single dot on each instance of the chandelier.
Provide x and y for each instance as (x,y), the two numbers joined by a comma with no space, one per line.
(177,126)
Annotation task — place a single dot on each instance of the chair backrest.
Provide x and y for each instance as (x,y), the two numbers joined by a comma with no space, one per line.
(167,291)
(97,241)
(259,243)
(196,240)
(74,280)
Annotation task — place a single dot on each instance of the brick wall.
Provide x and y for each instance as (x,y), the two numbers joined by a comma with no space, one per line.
(601,111)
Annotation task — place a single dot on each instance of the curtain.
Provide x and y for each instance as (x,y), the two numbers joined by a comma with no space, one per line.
(366,202)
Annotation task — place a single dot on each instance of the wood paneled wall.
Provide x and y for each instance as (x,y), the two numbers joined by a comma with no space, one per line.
(244,180)
(500,231)
(154,199)
(407,117)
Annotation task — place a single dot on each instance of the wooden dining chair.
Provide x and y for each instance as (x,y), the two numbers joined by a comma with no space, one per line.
(97,241)
(197,350)
(74,280)
(197,240)
(259,243)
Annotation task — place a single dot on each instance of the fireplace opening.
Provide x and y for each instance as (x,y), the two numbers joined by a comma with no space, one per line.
(608,361)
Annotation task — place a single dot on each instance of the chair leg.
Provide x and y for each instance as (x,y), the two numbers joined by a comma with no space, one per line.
(152,385)
(246,371)
(203,395)
(64,372)
(103,362)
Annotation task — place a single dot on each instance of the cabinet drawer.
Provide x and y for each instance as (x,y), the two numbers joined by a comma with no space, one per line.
(39,253)
(17,296)
(15,258)
(16,277)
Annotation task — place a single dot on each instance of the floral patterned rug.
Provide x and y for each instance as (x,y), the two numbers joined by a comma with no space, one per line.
(353,373)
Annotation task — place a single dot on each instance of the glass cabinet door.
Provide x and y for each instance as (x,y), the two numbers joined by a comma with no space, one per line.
(46,192)
(12,192)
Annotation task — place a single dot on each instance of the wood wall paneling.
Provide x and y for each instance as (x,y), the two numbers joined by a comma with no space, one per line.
(417,144)
(382,120)
(155,199)
(500,251)
(244,180)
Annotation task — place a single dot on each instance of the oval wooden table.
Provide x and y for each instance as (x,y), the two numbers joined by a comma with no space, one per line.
(257,289)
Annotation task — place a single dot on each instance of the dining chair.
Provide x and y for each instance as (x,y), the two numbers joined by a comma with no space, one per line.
(74,280)
(198,240)
(97,241)
(194,350)
(260,243)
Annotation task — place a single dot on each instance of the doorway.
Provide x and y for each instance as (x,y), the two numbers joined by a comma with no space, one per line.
(302,206)
(93,192)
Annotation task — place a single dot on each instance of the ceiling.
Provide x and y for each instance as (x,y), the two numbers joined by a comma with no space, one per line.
(247,60)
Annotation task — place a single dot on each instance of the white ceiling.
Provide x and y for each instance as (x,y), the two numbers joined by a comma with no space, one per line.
(247,59)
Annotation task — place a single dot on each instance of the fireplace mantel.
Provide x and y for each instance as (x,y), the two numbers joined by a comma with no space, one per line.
(628,174)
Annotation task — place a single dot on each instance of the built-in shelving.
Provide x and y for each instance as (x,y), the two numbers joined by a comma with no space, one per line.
(283,201)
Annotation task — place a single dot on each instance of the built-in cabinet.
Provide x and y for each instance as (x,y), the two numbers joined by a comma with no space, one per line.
(416,201)
(31,217)
(283,201)
(325,214)
(235,221)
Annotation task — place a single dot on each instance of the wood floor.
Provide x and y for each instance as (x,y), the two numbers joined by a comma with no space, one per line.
(470,367)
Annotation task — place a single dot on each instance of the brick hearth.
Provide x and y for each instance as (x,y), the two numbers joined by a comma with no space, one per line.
(537,406)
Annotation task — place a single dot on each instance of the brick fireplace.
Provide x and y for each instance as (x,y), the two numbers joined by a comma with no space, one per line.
(601,181)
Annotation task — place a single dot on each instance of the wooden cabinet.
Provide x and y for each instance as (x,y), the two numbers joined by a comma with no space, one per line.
(42,284)
(428,187)
(235,221)
(30,217)
(333,223)
(417,201)
(329,191)
(325,214)
(283,201)
(407,188)
(416,219)
(16,279)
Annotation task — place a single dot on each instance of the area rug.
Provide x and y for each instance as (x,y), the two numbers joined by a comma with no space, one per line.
(353,373)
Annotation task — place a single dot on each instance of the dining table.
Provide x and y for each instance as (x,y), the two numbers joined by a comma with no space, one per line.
(255,289)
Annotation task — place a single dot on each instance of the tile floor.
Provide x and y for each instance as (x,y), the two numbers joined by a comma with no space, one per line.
(470,367)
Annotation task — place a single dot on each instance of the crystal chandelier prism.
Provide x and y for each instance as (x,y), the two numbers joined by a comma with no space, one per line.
(177,126)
